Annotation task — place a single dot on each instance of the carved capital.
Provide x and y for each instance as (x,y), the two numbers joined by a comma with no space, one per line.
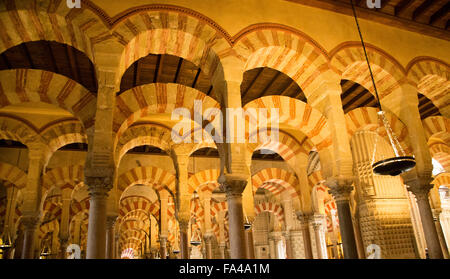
(98,186)
(184,225)
(303,218)
(420,186)
(340,188)
(110,222)
(232,185)
(317,221)
(31,222)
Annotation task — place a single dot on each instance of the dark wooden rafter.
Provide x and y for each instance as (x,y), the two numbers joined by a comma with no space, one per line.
(249,86)
(194,83)
(179,67)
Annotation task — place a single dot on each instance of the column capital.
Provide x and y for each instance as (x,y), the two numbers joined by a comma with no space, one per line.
(232,185)
(419,185)
(208,236)
(111,221)
(30,222)
(184,225)
(98,186)
(340,188)
(303,218)
(317,221)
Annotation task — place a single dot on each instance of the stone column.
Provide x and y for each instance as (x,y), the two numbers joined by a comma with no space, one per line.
(287,238)
(222,247)
(184,239)
(420,187)
(116,246)
(65,220)
(96,241)
(272,250)
(110,236)
(233,186)
(317,224)
(208,246)
(341,189)
(304,223)
(30,224)
(437,222)
(250,245)
(163,246)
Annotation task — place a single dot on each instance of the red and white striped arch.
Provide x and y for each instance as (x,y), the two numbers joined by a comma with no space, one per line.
(201,178)
(13,175)
(284,49)
(143,134)
(80,206)
(25,21)
(271,177)
(164,29)
(348,60)
(52,226)
(18,130)
(134,203)
(286,146)
(28,85)
(163,98)
(432,78)
(149,175)
(366,118)
(276,209)
(435,126)
(442,179)
(296,115)
(62,176)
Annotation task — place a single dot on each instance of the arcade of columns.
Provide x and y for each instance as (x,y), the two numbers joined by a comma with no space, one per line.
(321,200)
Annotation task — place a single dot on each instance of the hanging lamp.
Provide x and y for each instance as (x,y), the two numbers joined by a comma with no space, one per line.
(401,163)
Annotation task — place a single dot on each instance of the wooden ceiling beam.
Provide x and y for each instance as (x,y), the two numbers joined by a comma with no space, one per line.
(422,9)
(268,85)
(440,14)
(158,68)
(194,83)
(177,73)
(260,70)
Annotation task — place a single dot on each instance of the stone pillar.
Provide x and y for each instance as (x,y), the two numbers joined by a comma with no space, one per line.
(272,249)
(30,224)
(222,247)
(287,238)
(163,246)
(437,222)
(96,241)
(420,187)
(250,245)
(341,189)
(208,246)
(184,239)
(234,185)
(317,224)
(304,223)
(116,246)
(110,236)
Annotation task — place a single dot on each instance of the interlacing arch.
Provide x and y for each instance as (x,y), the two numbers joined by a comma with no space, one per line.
(276,181)
(162,98)
(296,114)
(366,118)
(276,209)
(61,176)
(349,62)
(284,49)
(165,29)
(27,85)
(201,178)
(143,134)
(149,175)
(432,78)
(13,174)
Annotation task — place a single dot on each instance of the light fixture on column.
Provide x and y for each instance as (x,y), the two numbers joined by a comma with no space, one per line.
(400,163)
(45,250)
(195,241)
